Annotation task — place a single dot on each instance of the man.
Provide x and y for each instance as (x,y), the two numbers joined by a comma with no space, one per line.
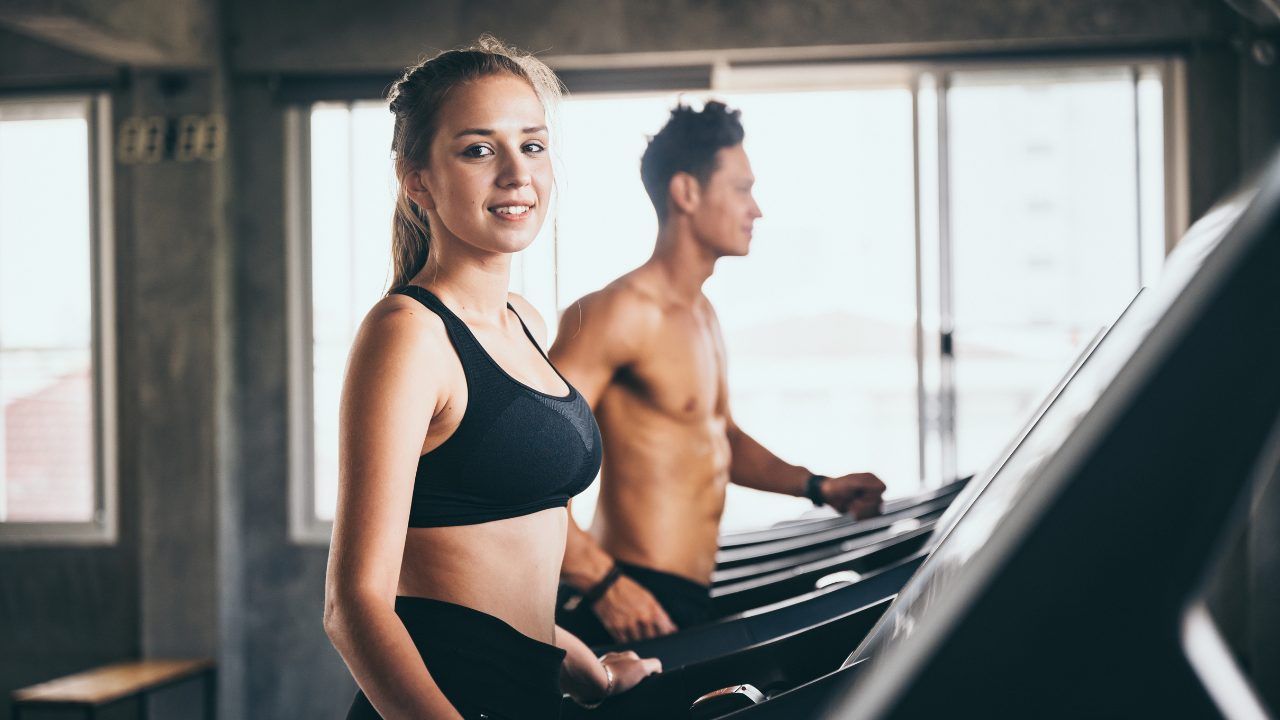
(647,353)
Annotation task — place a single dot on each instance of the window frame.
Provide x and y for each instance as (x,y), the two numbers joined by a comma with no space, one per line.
(103,529)
(305,527)
(936,413)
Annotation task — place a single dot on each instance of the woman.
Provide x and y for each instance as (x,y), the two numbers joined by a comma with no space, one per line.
(455,426)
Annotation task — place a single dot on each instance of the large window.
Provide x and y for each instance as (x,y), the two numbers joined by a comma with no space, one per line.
(56,449)
(1047,228)
(936,243)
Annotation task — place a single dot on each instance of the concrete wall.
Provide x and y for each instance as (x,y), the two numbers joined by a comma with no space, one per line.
(290,669)
(204,564)
(270,36)
(30,63)
(138,33)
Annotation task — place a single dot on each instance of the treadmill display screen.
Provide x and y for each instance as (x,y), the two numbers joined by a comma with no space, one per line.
(935,586)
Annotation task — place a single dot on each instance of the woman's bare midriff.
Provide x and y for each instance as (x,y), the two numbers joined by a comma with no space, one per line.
(506,568)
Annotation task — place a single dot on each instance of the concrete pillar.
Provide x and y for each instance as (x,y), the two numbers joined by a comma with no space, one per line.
(178,301)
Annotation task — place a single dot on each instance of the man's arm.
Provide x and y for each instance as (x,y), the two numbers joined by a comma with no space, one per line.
(754,466)
(599,335)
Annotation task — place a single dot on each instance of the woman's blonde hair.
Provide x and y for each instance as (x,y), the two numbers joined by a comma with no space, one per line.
(416,99)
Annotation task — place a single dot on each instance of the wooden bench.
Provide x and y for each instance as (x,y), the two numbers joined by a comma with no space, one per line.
(92,690)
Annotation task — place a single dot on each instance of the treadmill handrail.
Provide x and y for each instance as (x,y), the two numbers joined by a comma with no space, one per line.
(751,537)
(821,552)
(750,553)
(818,566)
(749,627)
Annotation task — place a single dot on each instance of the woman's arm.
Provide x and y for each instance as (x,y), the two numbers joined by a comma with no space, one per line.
(393,376)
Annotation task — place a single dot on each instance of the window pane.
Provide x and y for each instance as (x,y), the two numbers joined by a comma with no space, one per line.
(1045,234)
(606,223)
(352,196)
(47,469)
(819,319)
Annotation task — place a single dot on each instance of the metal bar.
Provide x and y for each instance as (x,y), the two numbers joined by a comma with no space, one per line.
(946,322)
(4,482)
(102,314)
(1177,191)
(922,402)
(1137,164)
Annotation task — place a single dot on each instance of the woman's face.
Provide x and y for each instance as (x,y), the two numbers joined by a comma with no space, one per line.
(488,177)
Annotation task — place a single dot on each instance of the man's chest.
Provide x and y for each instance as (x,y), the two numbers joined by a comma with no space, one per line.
(683,369)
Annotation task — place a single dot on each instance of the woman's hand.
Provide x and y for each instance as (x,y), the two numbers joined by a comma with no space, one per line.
(589,680)
(617,672)
(628,669)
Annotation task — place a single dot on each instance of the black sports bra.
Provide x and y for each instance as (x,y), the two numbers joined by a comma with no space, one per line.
(516,450)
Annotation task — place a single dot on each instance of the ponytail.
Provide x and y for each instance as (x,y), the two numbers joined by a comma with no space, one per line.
(410,241)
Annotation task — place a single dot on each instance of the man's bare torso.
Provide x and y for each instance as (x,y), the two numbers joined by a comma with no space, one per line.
(666,453)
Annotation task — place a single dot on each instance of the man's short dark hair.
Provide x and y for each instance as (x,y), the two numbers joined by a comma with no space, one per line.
(688,143)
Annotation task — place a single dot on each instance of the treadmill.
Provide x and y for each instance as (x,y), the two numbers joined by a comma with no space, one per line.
(810,610)
(899,529)
(774,656)
(840,535)
(760,625)
(740,588)
(791,529)
(1073,586)
(943,504)
(778,664)
(792,580)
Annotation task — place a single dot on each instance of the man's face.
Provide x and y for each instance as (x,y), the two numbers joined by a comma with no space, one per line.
(727,211)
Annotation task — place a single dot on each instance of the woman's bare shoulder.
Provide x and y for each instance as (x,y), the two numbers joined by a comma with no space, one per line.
(402,320)
(399,331)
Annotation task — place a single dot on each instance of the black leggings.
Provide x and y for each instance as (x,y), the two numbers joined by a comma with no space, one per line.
(687,604)
(485,667)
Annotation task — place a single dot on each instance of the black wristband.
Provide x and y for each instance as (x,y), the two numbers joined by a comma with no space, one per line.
(598,590)
(813,489)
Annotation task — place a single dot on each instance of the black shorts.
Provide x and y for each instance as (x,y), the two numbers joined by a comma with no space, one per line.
(485,667)
(687,604)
